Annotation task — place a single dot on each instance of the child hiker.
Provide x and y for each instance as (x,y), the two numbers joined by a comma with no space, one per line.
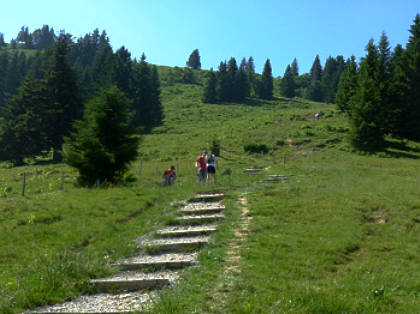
(169,176)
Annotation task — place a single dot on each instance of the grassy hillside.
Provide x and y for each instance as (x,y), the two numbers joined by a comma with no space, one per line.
(340,235)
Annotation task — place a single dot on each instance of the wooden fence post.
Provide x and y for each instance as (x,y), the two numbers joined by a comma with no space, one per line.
(140,167)
(62,181)
(24,184)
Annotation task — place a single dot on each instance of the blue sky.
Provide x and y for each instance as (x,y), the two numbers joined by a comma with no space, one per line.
(167,31)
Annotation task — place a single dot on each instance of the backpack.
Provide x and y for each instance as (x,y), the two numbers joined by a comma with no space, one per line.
(211,159)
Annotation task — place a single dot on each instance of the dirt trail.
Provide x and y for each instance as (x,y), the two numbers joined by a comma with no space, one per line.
(232,267)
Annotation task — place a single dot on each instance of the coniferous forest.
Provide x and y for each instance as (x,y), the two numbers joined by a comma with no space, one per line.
(47,78)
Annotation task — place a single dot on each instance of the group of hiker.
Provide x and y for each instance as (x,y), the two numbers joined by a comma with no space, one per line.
(205,164)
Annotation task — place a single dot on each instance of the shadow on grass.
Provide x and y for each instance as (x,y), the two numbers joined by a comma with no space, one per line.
(399,149)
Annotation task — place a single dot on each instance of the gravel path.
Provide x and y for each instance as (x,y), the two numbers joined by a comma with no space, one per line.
(136,301)
(102,303)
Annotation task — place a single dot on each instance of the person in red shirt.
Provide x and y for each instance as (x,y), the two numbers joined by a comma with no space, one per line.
(169,176)
(201,165)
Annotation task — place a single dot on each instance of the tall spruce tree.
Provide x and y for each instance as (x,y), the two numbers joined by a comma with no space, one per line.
(398,87)
(266,88)
(156,109)
(295,68)
(384,81)
(141,94)
(103,144)
(232,70)
(4,61)
(22,123)
(210,93)
(287,85)
(348,85)
(223,82)
(250,70)
(122,70)
(328,80)
(2,42)
(409,80)
(242,81)
(63,106)
(314,90)
(194,60)
(366,105)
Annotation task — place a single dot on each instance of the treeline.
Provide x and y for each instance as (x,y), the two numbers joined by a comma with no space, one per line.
(382,94)
(233,83)
(43,92)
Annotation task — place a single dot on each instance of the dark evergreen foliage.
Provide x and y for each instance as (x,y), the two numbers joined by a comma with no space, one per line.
(295,68)
(103,144)
(194,60)
(210,93)
(287,86)
(347,85)
(314,90)
(223,82)
(2,42)
(22,123)
(250,70)
(367,132)
(266,86)
(408,75)
(243,86)
(63,106)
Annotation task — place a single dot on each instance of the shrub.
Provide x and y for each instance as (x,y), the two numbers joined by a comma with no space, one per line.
(256,148)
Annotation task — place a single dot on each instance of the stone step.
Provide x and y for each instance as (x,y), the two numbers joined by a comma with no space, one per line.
(126,302)
(199,219)
(172,244)
(252,171)
(135,280)
(207,197)
(167,261)
(201,210)
(186,231)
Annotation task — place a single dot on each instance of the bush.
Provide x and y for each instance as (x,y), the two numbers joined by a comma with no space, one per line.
(215,147)
(103,145)
(256,148)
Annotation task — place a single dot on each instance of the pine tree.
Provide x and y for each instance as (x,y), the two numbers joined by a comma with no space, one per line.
(21,128)
(2,42)
(63,104)
(384,81)
(266,88)
(347,86)
(102,70)
(4,61)
(328,80)
(287,86)
(122,71)
(194,60)
(223,82)
(103,145)
(210,93)
(409,79)
(250,70)
(295,68)
(398,87)
(141,94)
(156,105)
(242,82)
(366,124)
(314,90)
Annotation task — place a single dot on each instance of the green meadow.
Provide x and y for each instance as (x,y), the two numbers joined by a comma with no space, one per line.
(340,235)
